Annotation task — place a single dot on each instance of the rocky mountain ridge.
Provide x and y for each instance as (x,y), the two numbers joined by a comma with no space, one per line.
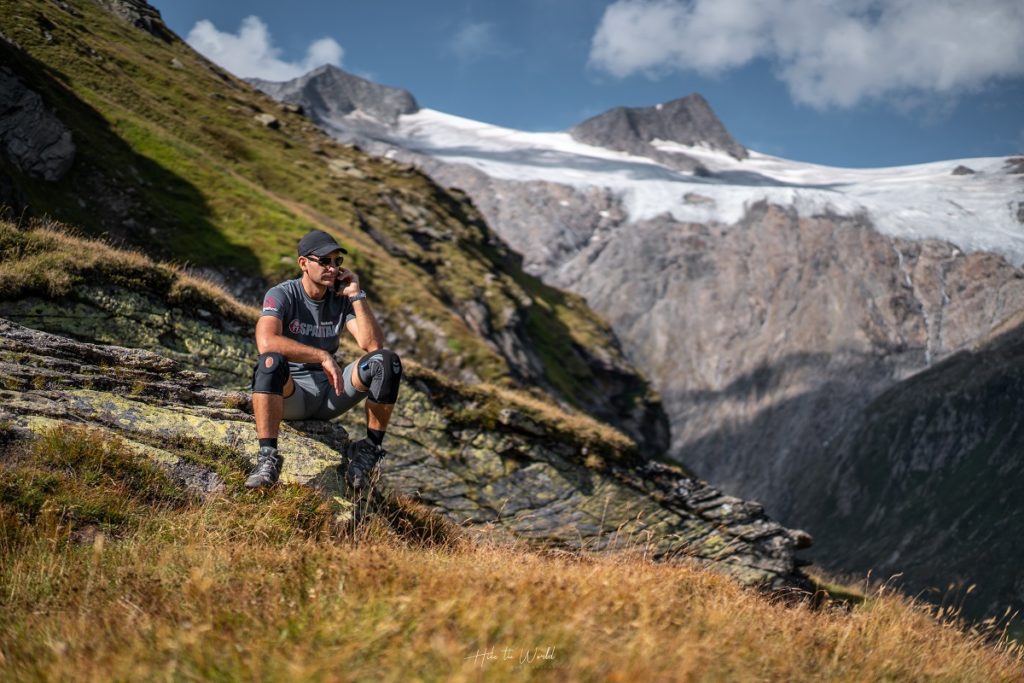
(930,469)
(687,121)
(329,92)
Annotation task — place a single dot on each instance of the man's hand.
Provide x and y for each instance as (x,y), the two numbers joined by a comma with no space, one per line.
(333,372)
(349,282)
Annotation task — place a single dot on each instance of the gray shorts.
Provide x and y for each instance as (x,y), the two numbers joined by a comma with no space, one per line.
(314,398)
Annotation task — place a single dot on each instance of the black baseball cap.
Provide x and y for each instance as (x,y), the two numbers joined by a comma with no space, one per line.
(318,243)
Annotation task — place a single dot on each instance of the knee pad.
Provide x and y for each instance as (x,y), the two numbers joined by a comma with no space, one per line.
(270,374)
(381,371)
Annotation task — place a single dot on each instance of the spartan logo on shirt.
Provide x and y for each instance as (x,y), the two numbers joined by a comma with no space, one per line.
(321,331)
(270,304)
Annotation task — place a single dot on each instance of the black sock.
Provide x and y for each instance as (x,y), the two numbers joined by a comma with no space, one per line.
(376,436)
(269,442)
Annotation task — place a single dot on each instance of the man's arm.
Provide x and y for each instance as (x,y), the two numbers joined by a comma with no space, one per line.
(364,327)
(270,340)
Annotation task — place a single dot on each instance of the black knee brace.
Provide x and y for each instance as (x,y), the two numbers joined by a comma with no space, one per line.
(270,374)
(381,371)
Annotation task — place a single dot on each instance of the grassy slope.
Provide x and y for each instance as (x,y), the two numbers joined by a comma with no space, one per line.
(111,573)
(171,159)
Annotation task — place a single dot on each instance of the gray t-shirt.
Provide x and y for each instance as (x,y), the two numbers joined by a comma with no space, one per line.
(308,321)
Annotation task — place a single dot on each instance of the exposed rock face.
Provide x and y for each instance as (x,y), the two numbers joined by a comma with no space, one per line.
(553,222)
(928,481)
(112,314)
(328,92)
(765,337)
(688,120)
(513,469)
(141,15)
(32,137)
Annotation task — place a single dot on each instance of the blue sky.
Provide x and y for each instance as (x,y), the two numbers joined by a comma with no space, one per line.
(841,82)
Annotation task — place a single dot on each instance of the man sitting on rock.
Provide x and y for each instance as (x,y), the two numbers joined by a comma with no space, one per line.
(296,376)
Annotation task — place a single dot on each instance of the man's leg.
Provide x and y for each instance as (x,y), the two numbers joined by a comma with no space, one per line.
(268,410)
(270,383)
(379,374)
(377,414)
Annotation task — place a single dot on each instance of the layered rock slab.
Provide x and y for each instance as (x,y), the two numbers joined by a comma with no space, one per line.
(473,457)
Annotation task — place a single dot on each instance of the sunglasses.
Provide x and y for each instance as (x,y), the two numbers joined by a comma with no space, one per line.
(327,263)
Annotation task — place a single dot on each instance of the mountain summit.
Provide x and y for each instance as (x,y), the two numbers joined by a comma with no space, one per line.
(329,92)
(687,121)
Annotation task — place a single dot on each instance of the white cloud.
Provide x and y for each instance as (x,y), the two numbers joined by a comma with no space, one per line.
(251,54)
(828,53)
(476,40)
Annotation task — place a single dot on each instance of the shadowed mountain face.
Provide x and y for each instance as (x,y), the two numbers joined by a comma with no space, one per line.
(928,481)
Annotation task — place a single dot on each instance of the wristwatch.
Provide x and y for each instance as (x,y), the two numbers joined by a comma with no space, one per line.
(358,297)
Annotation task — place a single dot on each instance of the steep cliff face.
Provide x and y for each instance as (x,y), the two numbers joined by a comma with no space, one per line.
(767,336)
(764,337)
(928,481)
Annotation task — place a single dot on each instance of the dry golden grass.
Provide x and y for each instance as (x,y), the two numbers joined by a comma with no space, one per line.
(263,587)
(51,258)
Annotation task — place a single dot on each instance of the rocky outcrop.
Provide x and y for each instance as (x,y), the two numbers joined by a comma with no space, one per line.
(329,92)
(688,121)
(475,457)
(140,14)
(110,313)
(31,136)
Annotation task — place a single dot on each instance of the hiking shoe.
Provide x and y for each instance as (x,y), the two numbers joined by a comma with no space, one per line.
(363,456)
(268,468)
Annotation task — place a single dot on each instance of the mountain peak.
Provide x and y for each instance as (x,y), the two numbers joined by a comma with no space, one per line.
(328,91)
(687,120)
